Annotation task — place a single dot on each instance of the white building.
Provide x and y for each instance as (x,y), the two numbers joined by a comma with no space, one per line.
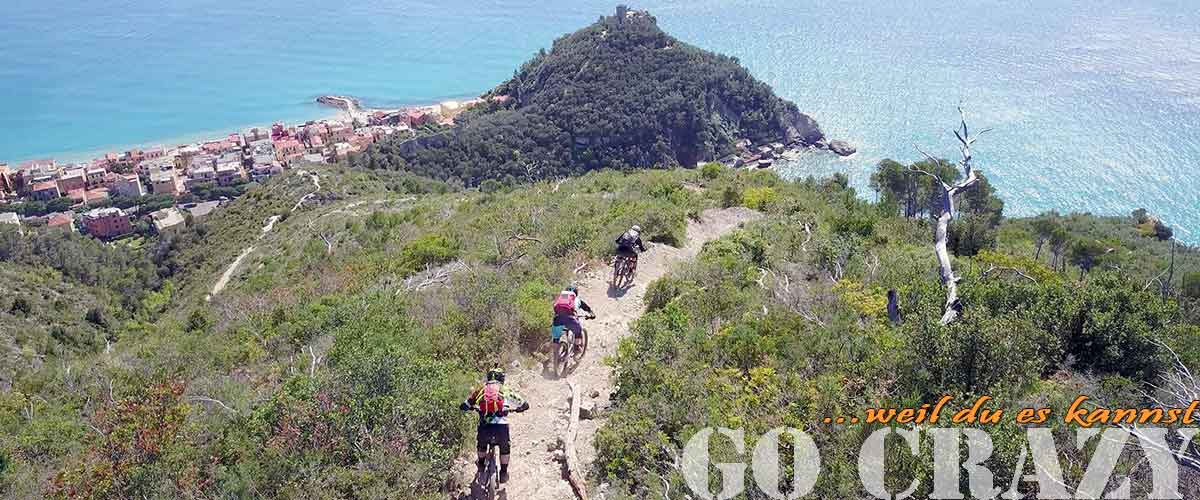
(167,219)
(128,185)
(11,218)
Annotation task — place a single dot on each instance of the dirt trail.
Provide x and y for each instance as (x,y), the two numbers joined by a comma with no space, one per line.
(534,474)
(228,274)
(270,224)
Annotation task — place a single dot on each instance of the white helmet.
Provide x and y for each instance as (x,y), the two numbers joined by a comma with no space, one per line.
(636,228)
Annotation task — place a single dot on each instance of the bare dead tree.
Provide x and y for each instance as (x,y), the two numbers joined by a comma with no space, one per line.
(328,238)
(794,295)
(1177,388)
(946,201)
(315,360)
(872,263)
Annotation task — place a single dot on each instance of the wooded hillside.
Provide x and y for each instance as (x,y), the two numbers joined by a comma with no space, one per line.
(619,94)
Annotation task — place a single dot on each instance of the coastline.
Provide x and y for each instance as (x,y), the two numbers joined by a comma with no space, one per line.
(321,111)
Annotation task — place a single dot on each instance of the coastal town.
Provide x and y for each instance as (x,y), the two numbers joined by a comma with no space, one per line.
(108,196)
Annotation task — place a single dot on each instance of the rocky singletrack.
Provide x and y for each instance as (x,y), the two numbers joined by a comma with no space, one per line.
(535,472)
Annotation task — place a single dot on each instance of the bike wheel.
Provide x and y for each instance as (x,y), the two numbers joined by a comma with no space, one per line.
(582,345)
(560,354)
(568,354)
(493,475)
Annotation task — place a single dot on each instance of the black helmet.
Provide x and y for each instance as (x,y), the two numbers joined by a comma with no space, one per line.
(573,289)
(496,374)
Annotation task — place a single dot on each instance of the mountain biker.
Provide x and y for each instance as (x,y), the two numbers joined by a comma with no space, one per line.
(494,401)
(627,241)
(567,307)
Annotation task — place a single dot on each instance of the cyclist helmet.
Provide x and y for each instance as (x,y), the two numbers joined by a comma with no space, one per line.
(496,374)
(573,289)
(636,228)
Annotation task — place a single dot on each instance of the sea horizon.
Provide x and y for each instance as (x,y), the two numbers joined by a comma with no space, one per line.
(1095,106)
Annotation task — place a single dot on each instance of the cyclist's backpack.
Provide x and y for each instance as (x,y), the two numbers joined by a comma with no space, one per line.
(565,303)
(626,239)
(491,399)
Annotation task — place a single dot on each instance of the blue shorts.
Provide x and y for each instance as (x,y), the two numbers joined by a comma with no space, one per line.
(562,322)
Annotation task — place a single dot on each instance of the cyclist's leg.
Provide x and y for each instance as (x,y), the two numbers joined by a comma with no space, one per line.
(482,439)
(573,324)
(576,332)
(505,450)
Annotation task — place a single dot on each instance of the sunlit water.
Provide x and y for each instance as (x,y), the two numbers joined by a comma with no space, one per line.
(1095,104)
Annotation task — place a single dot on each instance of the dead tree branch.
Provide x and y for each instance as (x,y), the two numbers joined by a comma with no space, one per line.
(796,298)
(432,276)
(214,401)
(315,360)
(872,263)
(1014,270)
(328,239)
(507,253)
(941,230)
(571,463)
(1177,388)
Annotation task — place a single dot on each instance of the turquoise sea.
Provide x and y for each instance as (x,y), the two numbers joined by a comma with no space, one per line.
(1095,103)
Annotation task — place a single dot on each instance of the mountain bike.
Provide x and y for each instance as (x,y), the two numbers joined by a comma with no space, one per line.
(489,478)
(570,350)
(487,481)
(624,267)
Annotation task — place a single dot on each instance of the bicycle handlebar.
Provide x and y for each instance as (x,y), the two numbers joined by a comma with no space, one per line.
(503,413)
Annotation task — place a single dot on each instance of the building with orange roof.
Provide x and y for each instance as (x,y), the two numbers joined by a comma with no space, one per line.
(45,191)
(78,195)
(61,220)
(288,149)
(105,223)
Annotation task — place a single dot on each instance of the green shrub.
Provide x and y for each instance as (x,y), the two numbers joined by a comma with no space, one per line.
(1116,327)
(426,251)
(979,353)
(711,171)
(661,292)
(1191,285)
(731,197)
(20,306)
(855,223)
(199,321)
(759,198)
